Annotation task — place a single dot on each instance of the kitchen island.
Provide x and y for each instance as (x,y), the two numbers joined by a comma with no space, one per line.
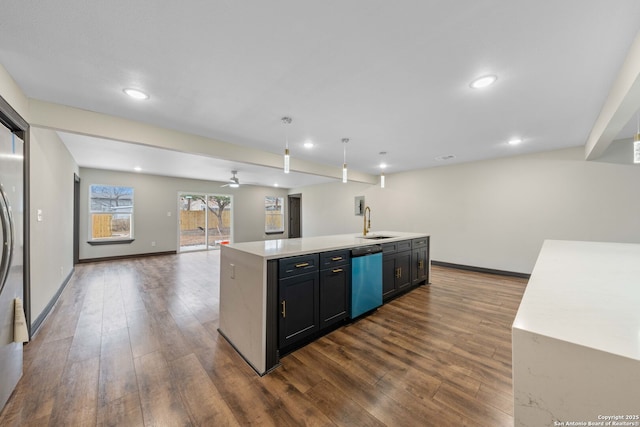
(576,337)
(249,275)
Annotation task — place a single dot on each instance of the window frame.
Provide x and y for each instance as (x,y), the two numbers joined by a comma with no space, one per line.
(130,213)
(279,203)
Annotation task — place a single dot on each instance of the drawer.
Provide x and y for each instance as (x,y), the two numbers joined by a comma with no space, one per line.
(334,258)
(297,265)
(389,248)
(404,245)
(392,247)
(418,243)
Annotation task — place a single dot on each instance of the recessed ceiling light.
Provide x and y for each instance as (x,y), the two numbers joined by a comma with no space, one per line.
(515,141)
(308,144)
(447,157)
(383,165)
(483,81)
(275,185)
(135,93)
(137,168)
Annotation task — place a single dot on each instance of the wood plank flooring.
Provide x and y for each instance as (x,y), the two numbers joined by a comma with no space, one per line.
(135,343)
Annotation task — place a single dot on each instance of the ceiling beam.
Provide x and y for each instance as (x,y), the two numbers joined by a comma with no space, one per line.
(621,104)
(12,94)
(74,120)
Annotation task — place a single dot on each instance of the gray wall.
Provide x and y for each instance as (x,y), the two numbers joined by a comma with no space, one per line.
(494,213)
(157,196)
(52,169)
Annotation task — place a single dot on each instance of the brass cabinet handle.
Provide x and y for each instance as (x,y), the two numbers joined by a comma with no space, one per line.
(303,264)
(284,308)
(398,273)
(336,258)
(337,270)
(421,264)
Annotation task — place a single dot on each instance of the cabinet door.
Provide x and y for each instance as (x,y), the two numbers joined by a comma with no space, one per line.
(299,304)
(388,276)
(403,270)
(334,294)
(420,267)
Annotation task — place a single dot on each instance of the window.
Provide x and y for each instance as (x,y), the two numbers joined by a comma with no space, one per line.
(274,215)
(205,220)
(111,213)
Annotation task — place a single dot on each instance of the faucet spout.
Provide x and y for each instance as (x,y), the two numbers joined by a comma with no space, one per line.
(366,226)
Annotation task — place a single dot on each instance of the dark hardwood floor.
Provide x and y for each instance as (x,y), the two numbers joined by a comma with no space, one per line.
(135,343)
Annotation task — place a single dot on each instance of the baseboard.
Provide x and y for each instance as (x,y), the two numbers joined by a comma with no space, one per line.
(481,269)
(123,257)
(241,355)
(35,325)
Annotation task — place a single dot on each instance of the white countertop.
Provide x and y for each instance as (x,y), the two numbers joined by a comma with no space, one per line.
(586,293)
(271,249)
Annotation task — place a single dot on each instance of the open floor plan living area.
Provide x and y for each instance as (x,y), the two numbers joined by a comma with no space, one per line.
(336,213)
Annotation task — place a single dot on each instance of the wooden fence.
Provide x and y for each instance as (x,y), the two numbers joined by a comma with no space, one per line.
(273,221)
(104,226)
(191,220)
(101,225)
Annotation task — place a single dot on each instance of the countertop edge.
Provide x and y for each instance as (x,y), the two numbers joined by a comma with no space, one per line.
(584,293)
(268,249)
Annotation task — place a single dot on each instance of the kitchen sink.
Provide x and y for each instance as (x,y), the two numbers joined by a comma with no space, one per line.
(375,237)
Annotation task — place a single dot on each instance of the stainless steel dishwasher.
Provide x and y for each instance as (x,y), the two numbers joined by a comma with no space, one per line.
(366,279)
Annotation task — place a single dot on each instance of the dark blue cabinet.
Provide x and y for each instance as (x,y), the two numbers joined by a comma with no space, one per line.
(298,291)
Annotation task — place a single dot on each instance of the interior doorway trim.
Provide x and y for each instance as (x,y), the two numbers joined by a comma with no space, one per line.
(295,215)
(18,125)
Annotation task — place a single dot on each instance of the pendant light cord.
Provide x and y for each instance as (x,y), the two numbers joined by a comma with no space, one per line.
(344,149)
(286,121)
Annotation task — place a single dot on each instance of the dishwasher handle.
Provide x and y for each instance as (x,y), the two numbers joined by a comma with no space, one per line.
(365,250)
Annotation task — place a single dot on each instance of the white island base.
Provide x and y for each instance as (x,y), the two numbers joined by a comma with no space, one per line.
(576,337)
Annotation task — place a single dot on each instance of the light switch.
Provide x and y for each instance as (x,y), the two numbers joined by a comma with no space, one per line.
(39,213)
(233,270)
(169,213)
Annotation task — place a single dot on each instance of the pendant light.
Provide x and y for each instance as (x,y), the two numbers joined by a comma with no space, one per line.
(383,165)
(344,162)
(636,144)
(286,121)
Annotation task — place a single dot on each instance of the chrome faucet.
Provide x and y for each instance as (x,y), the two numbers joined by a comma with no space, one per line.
(367,226)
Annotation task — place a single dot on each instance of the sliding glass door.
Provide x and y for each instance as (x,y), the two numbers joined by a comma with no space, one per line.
(205,221)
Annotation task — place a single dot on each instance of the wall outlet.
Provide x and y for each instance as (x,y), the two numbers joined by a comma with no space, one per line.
(169,213)
(153,243)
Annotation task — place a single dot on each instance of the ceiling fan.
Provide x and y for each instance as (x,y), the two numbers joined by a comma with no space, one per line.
(234,182)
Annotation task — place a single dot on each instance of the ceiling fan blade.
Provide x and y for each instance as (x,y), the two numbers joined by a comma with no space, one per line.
(233,181)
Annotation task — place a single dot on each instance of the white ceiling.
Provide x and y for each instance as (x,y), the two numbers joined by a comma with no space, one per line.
(391,76)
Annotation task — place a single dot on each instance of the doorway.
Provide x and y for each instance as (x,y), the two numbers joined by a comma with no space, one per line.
(204,221)
(76,219)
(295,207)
